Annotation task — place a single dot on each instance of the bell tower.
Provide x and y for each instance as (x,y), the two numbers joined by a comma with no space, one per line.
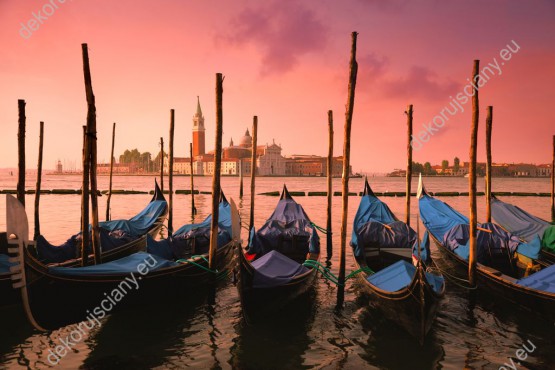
(198,132)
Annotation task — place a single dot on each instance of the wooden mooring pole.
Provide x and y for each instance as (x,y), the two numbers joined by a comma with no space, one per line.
(85,201)
(111,172)
(21,152)
(91,135)
(353,68)
(472,176)
(409,162)
(216,190)
(162,164)
(241,178)
(170,174)
(39,179)
(489,122)
(193,209)
(553,184)
(253,169)
(329,244)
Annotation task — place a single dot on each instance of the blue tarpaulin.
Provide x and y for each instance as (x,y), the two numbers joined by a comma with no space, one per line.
(179,245)
(5,264)
(518,221)
(399,276)
(487,243)
(542,280)
(274,269)
(289,221)
(49,253)
(453,229)
(125,265)
(439,217)
(376,226)
(113,234)
(139,224)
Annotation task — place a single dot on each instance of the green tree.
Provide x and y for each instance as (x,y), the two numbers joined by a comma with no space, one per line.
(444,165)
(456,164)
(428,170)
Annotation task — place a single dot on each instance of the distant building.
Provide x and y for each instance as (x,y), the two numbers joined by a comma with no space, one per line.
(237,158)
(198,132)
(59,168)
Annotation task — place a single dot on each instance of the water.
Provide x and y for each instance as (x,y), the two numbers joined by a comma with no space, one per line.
(471,331)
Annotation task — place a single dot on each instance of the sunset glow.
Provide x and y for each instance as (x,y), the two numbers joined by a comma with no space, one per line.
(287,63)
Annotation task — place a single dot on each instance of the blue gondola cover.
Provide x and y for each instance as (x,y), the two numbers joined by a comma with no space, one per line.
(274,269)
(517,220)
(288,221)
(399,275)
(125,265)
(541,280)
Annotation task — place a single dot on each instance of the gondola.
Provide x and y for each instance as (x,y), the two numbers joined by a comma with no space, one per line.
(55,296)
(526,226)
(498,267)
(271,273)
(385,250)
(118,238)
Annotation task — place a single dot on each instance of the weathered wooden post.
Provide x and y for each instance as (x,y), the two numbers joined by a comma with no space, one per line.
(193,209)
(472,176)
(170,174)
(553,184)
(21,152)
(91,135)
(409,161)
(162,164)
(353,68)
(216,177)
(241,178)
(489,122)
(329,244)
(39,179)
(85,200)
(253,169)
(111,171)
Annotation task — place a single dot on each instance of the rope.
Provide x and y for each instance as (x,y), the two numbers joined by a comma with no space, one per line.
(455,278)
(190,260)
(364,269)
(327,274)
(319,228)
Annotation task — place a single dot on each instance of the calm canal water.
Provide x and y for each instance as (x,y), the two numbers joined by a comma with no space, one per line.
(471,331)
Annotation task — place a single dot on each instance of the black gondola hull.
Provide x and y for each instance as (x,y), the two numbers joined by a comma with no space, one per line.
(57,301)
(258,303)
(503,286)
(404,307)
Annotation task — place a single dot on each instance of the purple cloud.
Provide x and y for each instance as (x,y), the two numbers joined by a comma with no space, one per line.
(420,82)
(283,30)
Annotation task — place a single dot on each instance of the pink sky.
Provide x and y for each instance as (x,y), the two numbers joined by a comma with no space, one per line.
(285,61)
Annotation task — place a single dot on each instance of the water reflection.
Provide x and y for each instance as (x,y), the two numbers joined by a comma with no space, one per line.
(280,341)
(145,337)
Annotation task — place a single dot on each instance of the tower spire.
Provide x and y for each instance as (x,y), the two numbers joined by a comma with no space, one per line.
(199,111)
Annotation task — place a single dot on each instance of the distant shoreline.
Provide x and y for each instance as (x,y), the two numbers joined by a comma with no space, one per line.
(183,175)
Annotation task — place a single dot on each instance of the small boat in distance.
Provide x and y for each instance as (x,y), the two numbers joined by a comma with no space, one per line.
(271,272)
(384,249)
